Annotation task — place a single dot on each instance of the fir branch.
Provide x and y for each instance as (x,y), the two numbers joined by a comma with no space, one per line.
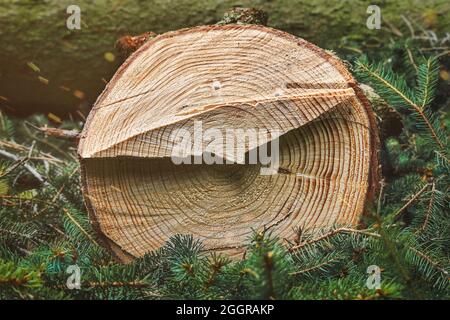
(116,284)
(331,234)
(314,268)
(435,264)
(29,236)
(59,192)
(427,77)
(75,222)
(410,201)
(18,277)
(218,262)
(13,167)
(442,159)
(32,170)
(380,196)
(395,90)
(429,208)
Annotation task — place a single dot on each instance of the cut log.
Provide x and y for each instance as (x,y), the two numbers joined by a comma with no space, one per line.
(226,77)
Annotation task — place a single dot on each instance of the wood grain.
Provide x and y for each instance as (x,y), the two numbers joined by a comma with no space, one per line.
(230,76)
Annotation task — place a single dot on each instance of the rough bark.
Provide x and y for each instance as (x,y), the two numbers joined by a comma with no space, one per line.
(46,67)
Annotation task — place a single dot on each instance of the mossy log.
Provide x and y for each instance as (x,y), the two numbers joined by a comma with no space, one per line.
(46,67)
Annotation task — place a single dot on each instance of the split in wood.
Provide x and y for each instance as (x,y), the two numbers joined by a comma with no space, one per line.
(227,77)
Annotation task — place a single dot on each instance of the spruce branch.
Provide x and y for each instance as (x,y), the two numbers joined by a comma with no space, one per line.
(395,90)
(331,234)
(442,159)
(319,266)
(77,224)
(116,284)
(429,208)
(31,169)
(18,277)
(410,201)
(431,262)
(427,78)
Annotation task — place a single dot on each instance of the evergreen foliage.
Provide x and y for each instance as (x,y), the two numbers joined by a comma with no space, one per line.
(44,227)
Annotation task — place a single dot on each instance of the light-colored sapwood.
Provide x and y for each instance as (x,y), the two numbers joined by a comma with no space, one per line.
(227,77)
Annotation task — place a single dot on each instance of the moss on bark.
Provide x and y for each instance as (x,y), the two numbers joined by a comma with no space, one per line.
(73,65)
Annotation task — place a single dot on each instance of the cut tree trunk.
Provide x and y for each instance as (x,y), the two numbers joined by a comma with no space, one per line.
(226,77)
(69,68)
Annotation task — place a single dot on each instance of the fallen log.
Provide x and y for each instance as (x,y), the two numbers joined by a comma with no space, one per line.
(237,78)
(45,67)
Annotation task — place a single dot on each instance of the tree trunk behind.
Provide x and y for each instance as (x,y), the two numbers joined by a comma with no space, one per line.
(46,67)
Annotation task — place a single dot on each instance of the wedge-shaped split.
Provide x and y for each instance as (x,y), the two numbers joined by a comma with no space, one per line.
(222,79)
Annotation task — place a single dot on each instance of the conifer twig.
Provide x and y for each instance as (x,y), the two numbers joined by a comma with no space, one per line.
(430,207)
(430,261)
(408,101)
(371,234)
(320,265)
(23,235)
(61,133)
(79,226)
(380,195)
(332,233)
(13,167)
(32,170)
(414,198)
(426,94)
(116,284)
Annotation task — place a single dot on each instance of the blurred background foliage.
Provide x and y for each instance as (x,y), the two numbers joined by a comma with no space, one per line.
(45,67)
